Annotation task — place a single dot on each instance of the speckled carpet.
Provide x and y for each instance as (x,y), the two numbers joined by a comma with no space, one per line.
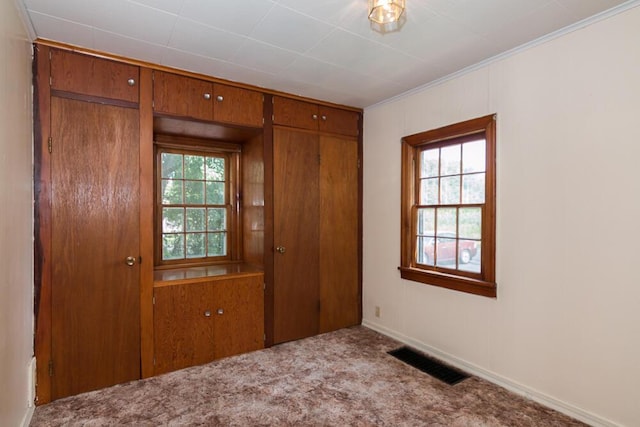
(343,378)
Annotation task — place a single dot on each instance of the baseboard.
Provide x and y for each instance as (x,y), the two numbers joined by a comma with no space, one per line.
(27,417)
(499,380)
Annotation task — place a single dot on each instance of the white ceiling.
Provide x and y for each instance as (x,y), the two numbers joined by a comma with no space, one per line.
(321,49)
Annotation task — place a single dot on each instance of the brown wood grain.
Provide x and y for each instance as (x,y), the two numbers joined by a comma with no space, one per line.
(296,219)
(253,201)
(237,106)
(95,226)
(294,113)
(334,120)
(268,220)
(146,222)
(42,223)
(183,333)
(238,307)
(182,96)
(339,223)
(85,74)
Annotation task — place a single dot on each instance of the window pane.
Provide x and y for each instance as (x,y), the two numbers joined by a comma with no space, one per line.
(470,256)
(446,252)
(429,165)
(425,248)
(217,220)
(195,219)
(171,165)
(194,192)
(429,191)
(450,158)
(215,169)
(447,220)
(426,221)
(171,192)
(470,223)
(450,192)
(193,167)
(473,188)
(172,220)
(215,193)
(473,156)
(195,245)
(217,244)
(172,246)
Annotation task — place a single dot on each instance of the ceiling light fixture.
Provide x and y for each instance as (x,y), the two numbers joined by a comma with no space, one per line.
(386,15)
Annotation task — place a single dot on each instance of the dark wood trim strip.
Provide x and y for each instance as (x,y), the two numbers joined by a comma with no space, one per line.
(360,210)
(42,222)
(268,222)
(94,99)
(458,283)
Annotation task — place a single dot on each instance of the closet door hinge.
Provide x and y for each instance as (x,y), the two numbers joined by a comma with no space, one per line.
(50,144)
(154,300)
(50,368)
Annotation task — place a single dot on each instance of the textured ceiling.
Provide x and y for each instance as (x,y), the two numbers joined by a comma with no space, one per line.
(321,49)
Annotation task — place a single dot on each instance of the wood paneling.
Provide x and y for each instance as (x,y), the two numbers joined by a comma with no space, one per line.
(183,331)
(296,228)
(237,106)
(334,120)
(182,96)
(88,75)
(198,322)
(294,113)
(95,226)
(253,200)
(339,224)
(238,305)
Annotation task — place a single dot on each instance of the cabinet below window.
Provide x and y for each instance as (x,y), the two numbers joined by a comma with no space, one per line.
(200,316)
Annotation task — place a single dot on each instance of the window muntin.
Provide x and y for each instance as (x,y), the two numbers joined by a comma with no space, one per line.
(448,207)
(451,175)
(194,206)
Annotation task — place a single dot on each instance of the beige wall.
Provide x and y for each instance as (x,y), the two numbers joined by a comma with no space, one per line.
(16,236)
(565,327)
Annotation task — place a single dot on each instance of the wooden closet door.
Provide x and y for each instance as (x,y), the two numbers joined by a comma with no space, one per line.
(94,220)
(339,288)
(296,228)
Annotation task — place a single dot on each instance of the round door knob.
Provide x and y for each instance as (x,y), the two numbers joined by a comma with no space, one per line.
(207,96)
(324,118)
(131,82)
(314,117)
(220,311)
(281,249)
(207,313)
(130,260)
(220,98)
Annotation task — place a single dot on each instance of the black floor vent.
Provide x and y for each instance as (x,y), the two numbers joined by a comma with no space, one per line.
(429,365)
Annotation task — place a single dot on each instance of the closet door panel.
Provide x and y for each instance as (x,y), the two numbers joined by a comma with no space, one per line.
(339,290)
(296,216)
(95,227)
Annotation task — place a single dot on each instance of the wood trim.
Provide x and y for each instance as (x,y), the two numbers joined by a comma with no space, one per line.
(101,54)
(94,99)
(146,223)
(360,210)
(42,222)
(449,281)
(268,222)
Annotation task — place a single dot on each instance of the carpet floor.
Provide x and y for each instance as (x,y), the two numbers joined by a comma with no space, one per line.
(343,378)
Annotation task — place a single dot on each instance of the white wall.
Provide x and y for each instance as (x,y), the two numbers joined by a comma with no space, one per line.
(565,327)
(16,219)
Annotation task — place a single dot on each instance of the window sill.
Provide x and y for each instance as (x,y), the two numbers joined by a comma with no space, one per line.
(207,273)
(450,281)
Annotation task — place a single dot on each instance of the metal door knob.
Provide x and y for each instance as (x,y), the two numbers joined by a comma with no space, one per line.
(220,311)
(207,313)
(281,249)
(314,117)
(131,82)
(130,260)
(207,96)
(220,98)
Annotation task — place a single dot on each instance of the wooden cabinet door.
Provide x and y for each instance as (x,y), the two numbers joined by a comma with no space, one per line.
(95,319)
(335,120)
(294,113)
(339,224)
(183,317)
(239,316)
(88,75)
(182,96)
(295,194)
(237,106)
